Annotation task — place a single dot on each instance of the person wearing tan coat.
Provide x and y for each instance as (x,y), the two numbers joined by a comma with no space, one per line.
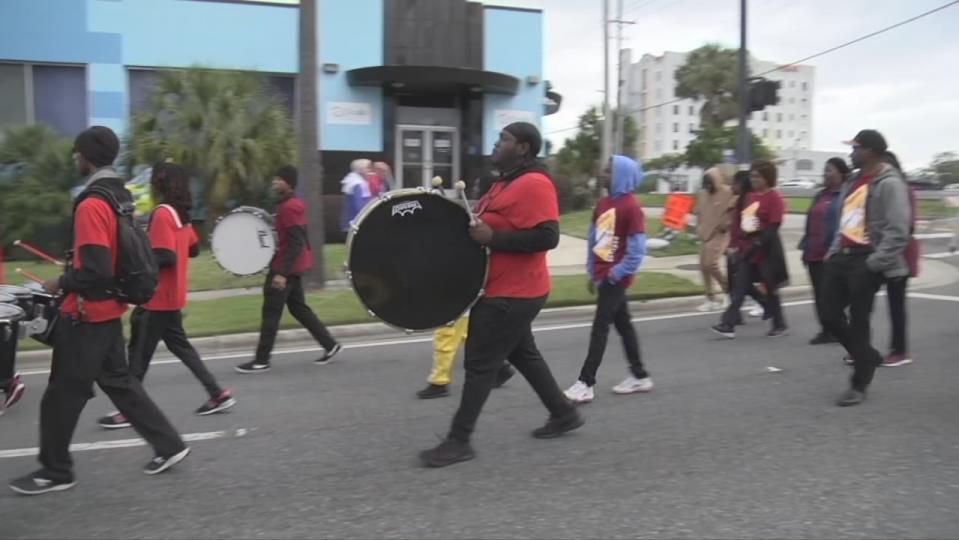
(713,214)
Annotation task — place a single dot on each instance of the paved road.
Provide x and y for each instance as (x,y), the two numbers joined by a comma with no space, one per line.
(720,449)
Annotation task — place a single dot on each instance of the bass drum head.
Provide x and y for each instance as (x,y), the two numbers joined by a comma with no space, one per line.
(243,242)
(412,262)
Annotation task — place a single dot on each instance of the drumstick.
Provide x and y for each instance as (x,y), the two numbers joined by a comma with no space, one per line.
(38,252)
(31,277)
(461,188)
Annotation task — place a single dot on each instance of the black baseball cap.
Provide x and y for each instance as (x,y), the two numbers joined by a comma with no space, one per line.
(871,139)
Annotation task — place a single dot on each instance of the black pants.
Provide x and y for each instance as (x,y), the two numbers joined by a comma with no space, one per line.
(147,328)
(85,353)
(500,329)
(294,298)
(848,282)
(896,291)
(8,353)
(816,271)
(744,276)
(733,267)
(611,308)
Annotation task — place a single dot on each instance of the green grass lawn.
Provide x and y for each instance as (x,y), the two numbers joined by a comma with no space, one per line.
(205,273)
(577,224)
(239,314)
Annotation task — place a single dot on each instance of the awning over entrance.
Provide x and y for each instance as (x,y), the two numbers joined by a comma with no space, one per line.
(434,79)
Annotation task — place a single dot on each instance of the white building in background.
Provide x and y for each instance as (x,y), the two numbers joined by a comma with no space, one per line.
(785,128)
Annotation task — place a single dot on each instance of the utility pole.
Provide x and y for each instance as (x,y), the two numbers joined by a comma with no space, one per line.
(606,138)
(311,171)
(743,147)
(620,114)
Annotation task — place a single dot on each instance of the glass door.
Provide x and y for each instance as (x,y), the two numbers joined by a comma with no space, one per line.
(424,152)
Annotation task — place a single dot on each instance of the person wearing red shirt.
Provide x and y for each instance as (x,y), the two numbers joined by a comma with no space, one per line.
(284,282)
(518,219)
(761,246)
(88,343)
(616,246)
(174,242)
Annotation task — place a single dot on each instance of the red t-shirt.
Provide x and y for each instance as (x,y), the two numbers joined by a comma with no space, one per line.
(853,231)
(762,211)
(291,213)
(168,232)
(616,219)
(510,206)
(95,224)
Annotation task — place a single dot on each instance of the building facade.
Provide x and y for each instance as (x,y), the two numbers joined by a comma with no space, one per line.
(424,85)
(669,129)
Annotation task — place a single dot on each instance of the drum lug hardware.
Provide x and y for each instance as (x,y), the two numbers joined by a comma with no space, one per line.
(371,314)
(408,332)
(348,274)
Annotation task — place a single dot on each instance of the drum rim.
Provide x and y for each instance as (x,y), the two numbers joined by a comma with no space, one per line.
(354,226)
(6,286)
(256,211)
(19,315)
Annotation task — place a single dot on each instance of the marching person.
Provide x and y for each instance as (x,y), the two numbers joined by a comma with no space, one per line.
(284,281)
(712,227)
(174,242)
(88,345)
(518,219)
(822,221)
(868,249)
(356,191)
(741,188)
(760,222)
(447,341)
(617,244)
(11,384)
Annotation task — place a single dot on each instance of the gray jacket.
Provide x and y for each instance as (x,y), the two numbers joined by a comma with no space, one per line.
(888,219)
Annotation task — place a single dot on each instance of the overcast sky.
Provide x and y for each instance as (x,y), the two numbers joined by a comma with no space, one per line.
(904,83)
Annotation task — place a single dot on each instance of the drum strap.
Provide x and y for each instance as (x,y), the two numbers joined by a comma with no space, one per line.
(176,215)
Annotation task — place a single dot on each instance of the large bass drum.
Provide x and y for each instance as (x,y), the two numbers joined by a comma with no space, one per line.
(412,262)
(244,241)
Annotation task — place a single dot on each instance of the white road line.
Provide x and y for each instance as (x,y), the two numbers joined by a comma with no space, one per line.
(932,236)
(411,341)
(128,443)
(927,296)
(940,255)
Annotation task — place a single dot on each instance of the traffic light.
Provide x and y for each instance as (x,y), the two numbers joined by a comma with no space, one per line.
(763,93)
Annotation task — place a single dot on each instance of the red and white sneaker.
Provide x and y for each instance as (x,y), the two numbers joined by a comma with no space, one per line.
(219,404)
(13,392)
(896,360)
(114,420)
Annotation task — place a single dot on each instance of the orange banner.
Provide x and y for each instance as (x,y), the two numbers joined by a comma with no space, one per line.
(678,208)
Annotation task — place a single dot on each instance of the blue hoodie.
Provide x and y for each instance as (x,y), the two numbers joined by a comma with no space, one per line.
(627,175)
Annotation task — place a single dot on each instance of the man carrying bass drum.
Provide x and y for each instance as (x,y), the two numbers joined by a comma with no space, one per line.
(518,219)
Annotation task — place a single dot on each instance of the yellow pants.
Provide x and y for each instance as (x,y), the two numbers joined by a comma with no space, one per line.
(446,343)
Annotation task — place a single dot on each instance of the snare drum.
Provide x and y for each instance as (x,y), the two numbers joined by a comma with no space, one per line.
(23,298)
(244,241)
(412,262)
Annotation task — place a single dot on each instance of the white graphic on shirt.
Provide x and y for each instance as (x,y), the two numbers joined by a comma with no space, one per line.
(606,241)
(750,221)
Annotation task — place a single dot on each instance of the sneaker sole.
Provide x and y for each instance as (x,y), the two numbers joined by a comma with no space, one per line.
(433,396)
(554,434)
(723,334)
(779,335)
(222,407)
(434,465)
(631,391)
(51,489)
(896,364)
(581,401)
(115,426)
(251,371)
(331,358)
(170,462)
(15,396)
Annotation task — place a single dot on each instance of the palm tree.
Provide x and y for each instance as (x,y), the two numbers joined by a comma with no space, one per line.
(225,126)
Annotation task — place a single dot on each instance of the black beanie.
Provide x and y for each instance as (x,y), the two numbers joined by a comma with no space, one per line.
(288,174)
(99,145)
(526,133)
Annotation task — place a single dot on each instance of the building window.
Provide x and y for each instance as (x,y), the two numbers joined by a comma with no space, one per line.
(675,145)
(643,79)
(805,86)
(675,109)
(659,76)
(676,127)
(804,165)
(659,128)
(142,82)
(804,117)
(779,117)
(805,101)
(55,95)
(659,146)
(692,110)
(692,128)
(792,84)
(779,134)
(659,94)
(765,116)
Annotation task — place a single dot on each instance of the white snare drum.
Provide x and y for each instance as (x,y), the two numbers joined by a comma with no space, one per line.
(244,241)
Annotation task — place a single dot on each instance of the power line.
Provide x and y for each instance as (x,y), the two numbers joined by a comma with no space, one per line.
(801,60)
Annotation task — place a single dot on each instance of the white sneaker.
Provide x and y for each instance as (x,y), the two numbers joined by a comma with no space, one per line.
(579,393)
(756,311)
(708,306)
(725,303)
(632,385)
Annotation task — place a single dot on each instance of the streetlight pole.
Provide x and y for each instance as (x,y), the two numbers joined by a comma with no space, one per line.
(743,146)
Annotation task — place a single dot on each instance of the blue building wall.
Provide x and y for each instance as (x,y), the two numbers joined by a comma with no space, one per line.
(513,45)
(350,35)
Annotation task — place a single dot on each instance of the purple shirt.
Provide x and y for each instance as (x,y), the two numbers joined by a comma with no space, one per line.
(816,242)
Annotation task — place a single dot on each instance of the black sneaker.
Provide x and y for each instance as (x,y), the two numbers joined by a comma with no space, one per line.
(851,397)
(114,420)
(778,332)
(160,463)
(504,374)
(555,427)
(848,360)
(433,391)
(37,483)
(218,404)
(823,338)
(327,357)
(252,367)
(724,330)
(446,453)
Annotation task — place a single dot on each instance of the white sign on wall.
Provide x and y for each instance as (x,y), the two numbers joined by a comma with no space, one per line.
(505,117)
(349,113)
